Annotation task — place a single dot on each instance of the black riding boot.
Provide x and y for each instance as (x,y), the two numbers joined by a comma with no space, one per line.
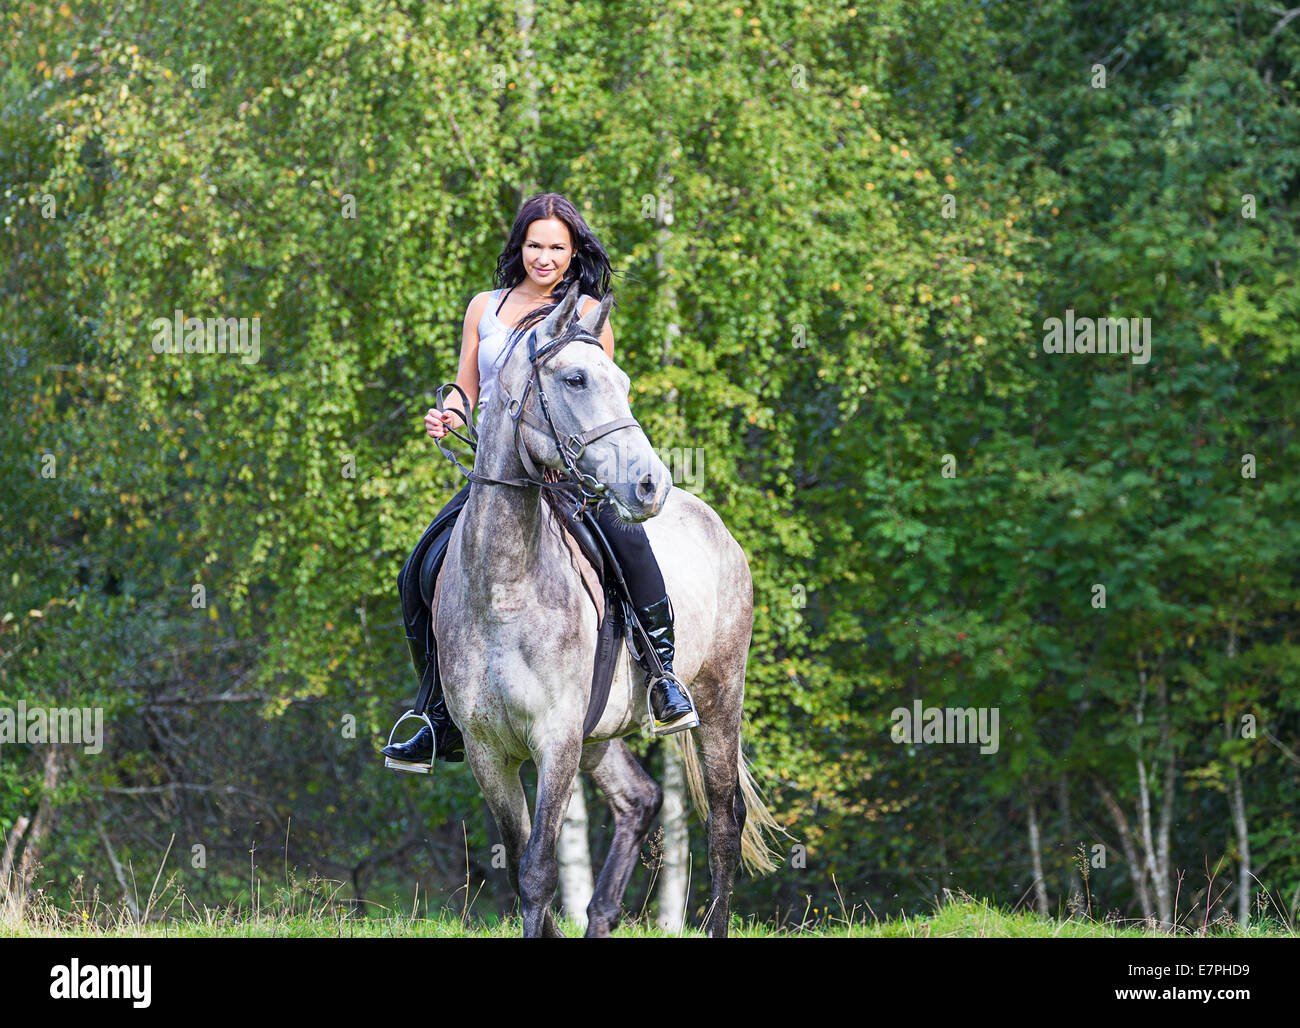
(419,749)
(670,704)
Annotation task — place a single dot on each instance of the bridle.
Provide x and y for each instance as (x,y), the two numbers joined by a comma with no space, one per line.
(571,447)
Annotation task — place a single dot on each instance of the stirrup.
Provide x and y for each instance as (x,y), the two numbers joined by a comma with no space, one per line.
(414,767)
(691,719)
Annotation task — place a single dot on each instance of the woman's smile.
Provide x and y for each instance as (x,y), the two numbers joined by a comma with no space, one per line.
(546,253)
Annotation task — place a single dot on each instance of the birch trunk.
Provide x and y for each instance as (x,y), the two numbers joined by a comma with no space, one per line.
(1237,806)
(1036,853)
(1155,837)
(11,894)
(1136,870)
(1237,802)
(574,854)
(1148,848)
(40,825)
(675,870)
(664,252)
(525,22)
(1164,870)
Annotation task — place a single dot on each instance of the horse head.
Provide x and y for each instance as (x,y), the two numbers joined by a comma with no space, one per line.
(576,416)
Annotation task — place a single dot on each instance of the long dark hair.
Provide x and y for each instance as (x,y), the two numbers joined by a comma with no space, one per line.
(588,272)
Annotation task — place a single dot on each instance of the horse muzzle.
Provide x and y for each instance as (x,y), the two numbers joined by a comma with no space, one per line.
(642,493)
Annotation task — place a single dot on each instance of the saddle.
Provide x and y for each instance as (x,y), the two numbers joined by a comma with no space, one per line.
(601,575)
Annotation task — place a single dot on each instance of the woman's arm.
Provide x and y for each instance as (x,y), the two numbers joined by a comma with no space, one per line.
(466,376)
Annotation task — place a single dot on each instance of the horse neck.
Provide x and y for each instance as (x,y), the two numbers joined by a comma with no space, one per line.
(502,522)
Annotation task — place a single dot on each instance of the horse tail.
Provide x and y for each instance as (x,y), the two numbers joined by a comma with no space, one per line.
(755,853)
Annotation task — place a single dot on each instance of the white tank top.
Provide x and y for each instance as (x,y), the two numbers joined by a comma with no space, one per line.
(493,334)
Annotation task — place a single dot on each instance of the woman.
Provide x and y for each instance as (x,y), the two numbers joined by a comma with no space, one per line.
(550,252)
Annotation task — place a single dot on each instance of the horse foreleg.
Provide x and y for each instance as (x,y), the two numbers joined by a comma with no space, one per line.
(499,780)
(539,871)
(634,799)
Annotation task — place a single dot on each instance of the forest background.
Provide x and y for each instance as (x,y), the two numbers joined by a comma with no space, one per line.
(841,234)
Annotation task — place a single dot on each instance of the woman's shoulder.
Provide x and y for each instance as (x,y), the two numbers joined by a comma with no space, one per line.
(479,304)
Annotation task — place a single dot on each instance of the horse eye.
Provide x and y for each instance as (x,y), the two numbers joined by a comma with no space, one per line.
(577,380)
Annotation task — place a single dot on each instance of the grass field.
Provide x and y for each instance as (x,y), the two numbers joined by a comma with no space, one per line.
(959,916)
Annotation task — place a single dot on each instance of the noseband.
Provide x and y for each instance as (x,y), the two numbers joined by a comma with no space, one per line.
(570,448)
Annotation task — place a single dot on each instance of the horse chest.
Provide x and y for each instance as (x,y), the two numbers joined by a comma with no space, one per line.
(504,603)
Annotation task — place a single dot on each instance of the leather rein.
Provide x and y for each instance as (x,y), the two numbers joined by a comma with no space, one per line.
(571,447)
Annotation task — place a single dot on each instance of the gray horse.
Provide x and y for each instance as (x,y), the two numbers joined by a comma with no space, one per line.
(516,634)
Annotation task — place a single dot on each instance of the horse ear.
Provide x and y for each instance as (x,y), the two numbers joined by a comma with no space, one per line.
(558,318)
(594,321)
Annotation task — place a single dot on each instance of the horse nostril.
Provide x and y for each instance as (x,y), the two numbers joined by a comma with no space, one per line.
(645,488)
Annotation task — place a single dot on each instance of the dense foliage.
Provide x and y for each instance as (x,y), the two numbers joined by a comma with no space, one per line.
(841,233)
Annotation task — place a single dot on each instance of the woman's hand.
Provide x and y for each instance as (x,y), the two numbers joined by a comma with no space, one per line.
(436,423)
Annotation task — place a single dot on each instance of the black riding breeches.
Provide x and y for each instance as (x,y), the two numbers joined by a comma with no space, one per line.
(415,613)
(640,569)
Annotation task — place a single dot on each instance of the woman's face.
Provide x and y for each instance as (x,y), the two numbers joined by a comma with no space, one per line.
(547,252)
